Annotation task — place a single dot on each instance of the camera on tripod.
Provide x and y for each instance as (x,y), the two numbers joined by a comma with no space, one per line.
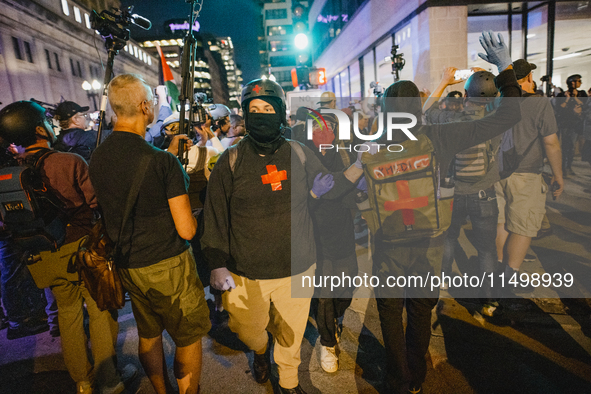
(114,25)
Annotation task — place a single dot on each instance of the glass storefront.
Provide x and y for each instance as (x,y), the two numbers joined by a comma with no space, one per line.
(572,29)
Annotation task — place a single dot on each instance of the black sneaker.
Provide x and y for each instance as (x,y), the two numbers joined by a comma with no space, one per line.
(27,328)
(296,390)
(3,323)
(261,366)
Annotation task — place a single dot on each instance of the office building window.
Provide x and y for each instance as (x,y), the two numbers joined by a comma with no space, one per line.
(79,70)
(28,52)
(279,30)
(72,67)
(77,14)
(280,46)
(57,62)
(17,49)
(280,13)
(282,61)
(48,57)
(65,8)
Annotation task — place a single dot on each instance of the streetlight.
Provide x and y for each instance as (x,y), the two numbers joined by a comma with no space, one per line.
(92,90)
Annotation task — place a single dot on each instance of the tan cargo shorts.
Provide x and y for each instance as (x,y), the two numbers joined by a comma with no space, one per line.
(522,203)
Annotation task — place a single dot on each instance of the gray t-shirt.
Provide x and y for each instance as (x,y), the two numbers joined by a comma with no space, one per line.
(537,121)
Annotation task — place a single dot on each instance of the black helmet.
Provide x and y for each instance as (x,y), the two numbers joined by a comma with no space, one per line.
(481,86)
(18,122)
(260,88)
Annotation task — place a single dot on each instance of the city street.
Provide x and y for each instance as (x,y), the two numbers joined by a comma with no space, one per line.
(538,346)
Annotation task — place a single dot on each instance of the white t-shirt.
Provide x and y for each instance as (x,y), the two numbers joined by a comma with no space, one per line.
(193,155)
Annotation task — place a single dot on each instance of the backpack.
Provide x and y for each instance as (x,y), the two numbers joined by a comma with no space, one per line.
(472,164)
(198,181)
(406,201)
(31,214)
(509,159)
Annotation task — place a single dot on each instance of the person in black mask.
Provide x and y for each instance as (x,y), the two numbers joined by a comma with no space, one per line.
(258,237)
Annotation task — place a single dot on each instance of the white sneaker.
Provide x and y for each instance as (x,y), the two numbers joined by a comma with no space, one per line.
(328,359)
(84,387)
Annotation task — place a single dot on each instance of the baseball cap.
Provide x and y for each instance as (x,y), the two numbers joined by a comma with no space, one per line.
(522,68)
(326,97)
(67,109)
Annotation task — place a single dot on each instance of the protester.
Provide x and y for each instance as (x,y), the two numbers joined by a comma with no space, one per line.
(522,196)
(236,131)
(157,268)
(258,237)
(74,136)
(570,118)
(474,174)
(335,243)
(24,123)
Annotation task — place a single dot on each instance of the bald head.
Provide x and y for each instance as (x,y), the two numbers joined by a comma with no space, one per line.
(127,92)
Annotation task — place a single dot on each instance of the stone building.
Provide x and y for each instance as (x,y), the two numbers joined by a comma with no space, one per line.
(48,49)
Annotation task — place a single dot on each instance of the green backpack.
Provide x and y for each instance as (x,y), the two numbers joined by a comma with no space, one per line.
(405,199)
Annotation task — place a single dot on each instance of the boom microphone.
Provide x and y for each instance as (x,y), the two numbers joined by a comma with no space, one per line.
(141,22)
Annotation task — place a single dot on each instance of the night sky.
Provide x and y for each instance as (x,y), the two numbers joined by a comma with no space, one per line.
(233,18)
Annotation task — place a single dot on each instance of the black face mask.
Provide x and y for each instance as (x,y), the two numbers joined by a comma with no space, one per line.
(263,128)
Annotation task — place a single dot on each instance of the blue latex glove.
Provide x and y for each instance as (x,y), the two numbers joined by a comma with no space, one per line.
(362,185)
(497,52)
(221,279)
(322,184)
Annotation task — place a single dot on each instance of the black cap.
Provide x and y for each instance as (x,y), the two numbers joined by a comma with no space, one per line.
(67,109)
(522,68)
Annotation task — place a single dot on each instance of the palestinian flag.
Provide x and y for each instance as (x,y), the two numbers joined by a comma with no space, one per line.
(168,80)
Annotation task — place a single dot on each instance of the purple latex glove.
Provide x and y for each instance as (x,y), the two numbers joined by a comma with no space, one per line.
(221,279)
(322,184)
(362,185)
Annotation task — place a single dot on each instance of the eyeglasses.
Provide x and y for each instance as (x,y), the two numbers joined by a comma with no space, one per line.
(154,101)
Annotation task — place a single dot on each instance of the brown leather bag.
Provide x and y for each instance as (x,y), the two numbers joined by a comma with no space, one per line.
(97,255)
(96,267)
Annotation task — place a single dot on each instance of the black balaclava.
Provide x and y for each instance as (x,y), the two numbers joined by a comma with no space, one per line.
(265,131)
(409,101)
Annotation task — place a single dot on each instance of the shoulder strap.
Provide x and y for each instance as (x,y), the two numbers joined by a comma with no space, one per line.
(233,153)
(299,151)
(202,157)
(133,192)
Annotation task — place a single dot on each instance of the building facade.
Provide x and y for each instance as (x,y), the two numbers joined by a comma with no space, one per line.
(216,72)
(276,46)
(354,39)
(48,50)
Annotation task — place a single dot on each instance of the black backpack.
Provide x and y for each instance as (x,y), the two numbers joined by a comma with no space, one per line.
(31,213)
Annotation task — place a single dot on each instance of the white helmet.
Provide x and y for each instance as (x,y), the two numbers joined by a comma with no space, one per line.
(219,111)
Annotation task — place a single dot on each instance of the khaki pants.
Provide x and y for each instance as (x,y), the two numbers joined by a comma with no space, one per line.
(71,299)
(256,306)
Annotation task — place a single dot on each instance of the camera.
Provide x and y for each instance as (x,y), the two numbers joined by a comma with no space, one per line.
(114,25)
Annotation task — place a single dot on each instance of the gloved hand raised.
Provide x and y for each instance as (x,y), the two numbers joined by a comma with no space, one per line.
(221,279)
(322,184)
(372,149)
(497,52)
